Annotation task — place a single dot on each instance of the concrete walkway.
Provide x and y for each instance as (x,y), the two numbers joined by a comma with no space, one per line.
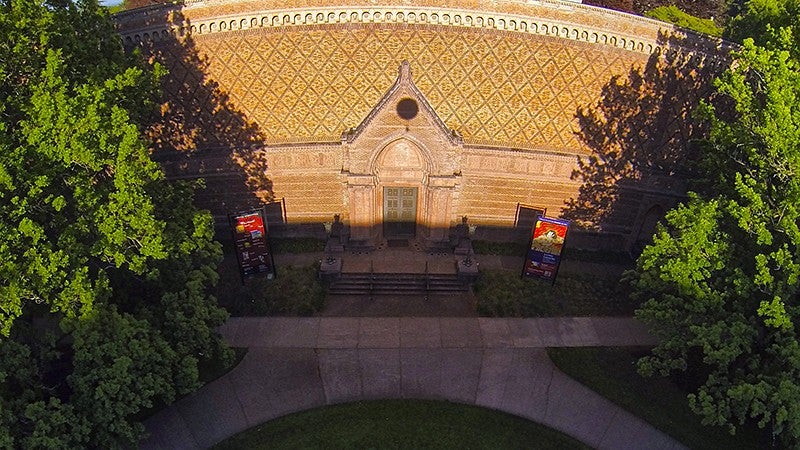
(294,364)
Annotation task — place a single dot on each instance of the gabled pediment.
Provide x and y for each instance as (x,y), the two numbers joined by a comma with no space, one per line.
(403,105)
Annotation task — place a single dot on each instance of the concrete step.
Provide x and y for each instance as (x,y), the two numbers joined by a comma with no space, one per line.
(396,284)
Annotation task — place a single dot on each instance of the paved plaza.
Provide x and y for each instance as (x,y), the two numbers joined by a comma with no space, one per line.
(294,364)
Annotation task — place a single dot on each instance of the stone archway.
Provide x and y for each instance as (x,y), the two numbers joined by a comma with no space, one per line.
(401,171)
(401,164)
(400,182)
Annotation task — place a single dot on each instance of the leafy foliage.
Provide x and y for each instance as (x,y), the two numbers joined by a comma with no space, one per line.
(709,9)
(505,294)
(295,291)
(105,266)
(706,9)
(611,372)
(673,14)
(760,20)
(120,365)
(719,285)
(297,245)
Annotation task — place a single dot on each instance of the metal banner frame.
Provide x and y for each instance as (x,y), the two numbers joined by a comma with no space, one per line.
(251,239)
(544,249)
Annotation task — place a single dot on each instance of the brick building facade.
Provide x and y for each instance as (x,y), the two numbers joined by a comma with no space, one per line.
(403,117)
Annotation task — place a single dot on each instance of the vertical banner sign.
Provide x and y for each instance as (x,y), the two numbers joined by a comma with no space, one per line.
(252,245)
(544,255)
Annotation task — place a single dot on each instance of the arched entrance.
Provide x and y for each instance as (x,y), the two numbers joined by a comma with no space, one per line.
(401,171)
(399,198)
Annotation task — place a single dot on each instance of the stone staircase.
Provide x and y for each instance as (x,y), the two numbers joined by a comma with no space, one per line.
(397,284)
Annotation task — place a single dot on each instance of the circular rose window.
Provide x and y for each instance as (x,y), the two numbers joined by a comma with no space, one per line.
(407,108)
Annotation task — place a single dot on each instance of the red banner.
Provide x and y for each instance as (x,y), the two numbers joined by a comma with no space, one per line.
(252,245)
(547,242)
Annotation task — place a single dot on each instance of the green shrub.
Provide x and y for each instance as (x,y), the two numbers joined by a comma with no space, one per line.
(113,9)
(598,256)
(502,293)
(297,245)
(499,248)
(521,249)
(212,369)
(294,291)
(674,15)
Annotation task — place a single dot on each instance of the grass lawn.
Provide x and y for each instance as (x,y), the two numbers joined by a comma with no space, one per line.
(413,424)
(611,372)
(502,293)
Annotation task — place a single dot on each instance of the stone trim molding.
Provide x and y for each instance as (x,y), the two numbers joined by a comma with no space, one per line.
(415,15)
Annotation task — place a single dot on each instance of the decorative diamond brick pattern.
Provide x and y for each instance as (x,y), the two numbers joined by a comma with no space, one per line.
(310,84)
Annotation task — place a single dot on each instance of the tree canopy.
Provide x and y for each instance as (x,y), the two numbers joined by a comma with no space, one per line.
(719,284)
(104,265)
(673,14)
(761,20)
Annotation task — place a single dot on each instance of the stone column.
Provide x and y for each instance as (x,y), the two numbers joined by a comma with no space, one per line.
(439,202)
(361,206)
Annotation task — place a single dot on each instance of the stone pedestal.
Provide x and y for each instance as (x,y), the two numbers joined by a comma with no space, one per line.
(467,270)
(330,268)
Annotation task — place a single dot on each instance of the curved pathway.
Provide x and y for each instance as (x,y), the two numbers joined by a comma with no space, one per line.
(294,364)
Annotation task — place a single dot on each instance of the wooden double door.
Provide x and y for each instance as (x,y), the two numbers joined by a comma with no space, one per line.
(399,212)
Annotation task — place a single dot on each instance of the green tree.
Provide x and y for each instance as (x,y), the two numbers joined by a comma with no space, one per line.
(121,365)
(673,14)
(760,20)
(719,284)
(73,168)
(104,265)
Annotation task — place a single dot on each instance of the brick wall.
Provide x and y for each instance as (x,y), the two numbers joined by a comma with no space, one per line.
(506,78)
